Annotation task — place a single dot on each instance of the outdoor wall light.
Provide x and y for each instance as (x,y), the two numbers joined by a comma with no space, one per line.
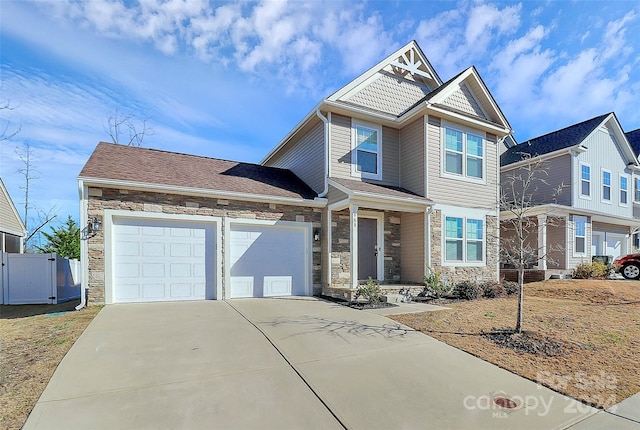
(316,234)
(93,226)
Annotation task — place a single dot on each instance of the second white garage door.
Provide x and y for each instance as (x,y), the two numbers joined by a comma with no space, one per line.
(162,260)
(268,261)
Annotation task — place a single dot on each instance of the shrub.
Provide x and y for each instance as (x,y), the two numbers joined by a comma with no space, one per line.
(493,289)
(510,287)
(467,290)
(596,270)
(370,291)
(433,285)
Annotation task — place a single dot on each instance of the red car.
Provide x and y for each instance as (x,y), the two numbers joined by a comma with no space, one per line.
(628,265)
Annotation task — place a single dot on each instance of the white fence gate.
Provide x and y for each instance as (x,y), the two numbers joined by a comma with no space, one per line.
(38,278)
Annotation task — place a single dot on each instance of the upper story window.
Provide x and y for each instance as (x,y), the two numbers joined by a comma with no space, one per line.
(636,190)
(580,234)
(464,153)
(624,190)
(585,180)
(606,186)
(366,150)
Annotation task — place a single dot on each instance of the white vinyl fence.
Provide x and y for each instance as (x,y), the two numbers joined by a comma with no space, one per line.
(38,278)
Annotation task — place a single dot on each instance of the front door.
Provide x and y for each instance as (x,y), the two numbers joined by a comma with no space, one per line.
(367,248)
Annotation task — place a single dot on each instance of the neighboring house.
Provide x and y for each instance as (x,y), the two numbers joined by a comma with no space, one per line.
(634,140)
(12,229)
(595,165)
(392,174)
(409,166)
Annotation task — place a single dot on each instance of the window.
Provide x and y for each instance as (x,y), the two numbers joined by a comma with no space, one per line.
(606,185)
(585,180)
(463,154)
(580,234)
(624,189)
(366,151)
(464,241)
(636,189)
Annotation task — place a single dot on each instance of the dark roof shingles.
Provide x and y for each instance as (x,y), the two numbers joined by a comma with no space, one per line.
(634,139)
(554,141)
(380,190)
(151,166)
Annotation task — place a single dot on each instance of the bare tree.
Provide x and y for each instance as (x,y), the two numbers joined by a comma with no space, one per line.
(126,130)
(30,173)
(521,190)
(5,134)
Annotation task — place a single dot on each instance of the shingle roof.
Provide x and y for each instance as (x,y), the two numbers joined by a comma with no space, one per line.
(554,141)
(380,190)
(151,166)
(634,139)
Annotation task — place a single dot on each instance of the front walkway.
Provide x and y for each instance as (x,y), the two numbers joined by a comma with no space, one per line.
(284,363)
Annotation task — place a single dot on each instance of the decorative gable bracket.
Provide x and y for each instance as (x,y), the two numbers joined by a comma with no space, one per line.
(411,64)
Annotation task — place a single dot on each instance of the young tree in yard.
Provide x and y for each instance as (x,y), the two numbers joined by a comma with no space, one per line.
(64,240)
(522,189)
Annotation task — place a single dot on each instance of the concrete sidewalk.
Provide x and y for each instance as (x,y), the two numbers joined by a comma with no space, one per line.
(286,363)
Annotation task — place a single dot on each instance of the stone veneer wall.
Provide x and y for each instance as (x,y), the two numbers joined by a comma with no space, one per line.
(341,257)
(142,201)
(455,274)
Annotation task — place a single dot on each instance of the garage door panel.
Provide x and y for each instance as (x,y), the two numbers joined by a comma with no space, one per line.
(160,260)
(268,261)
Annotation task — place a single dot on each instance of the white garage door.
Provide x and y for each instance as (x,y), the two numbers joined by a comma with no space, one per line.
(160,260)
(268,261)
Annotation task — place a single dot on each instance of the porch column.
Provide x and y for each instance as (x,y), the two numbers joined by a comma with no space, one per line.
(542,242)
(353,244)
(328,235)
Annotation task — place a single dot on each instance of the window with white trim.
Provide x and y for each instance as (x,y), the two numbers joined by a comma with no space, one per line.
(580,234)
(636,189)
(366,146)
(585,180)
(463,153)
(464,240)
(624,190)
(606,186)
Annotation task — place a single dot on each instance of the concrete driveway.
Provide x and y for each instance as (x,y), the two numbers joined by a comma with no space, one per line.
(283,364)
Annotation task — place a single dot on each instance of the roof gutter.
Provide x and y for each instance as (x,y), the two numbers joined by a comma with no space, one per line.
(112,183)
(326,153)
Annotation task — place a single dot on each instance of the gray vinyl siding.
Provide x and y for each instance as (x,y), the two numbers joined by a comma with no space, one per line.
(412,157)
(341,152)
(304,156)
(556,243)
(8,219)
(556,174)
(335,195)
(412,238)
(636,211)
(603,152)
(445,190)
(340,146)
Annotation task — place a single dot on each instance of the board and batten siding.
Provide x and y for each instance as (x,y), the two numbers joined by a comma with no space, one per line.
(556,174)
(305,156)
(412,157)
(605,153)
(341,152)
(412,238)
(458,191)
(556,243)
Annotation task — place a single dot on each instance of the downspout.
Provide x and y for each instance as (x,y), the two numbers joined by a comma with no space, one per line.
(326,153)
(84,250)
(428,241)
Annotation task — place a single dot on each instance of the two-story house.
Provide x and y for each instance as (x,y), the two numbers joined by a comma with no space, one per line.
(392,174)
(409,166)
(594,167)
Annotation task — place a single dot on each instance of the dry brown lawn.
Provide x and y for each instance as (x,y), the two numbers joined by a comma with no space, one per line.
(596,323)
(33,340)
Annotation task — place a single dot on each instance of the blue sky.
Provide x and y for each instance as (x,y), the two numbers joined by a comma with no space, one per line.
(230,79)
